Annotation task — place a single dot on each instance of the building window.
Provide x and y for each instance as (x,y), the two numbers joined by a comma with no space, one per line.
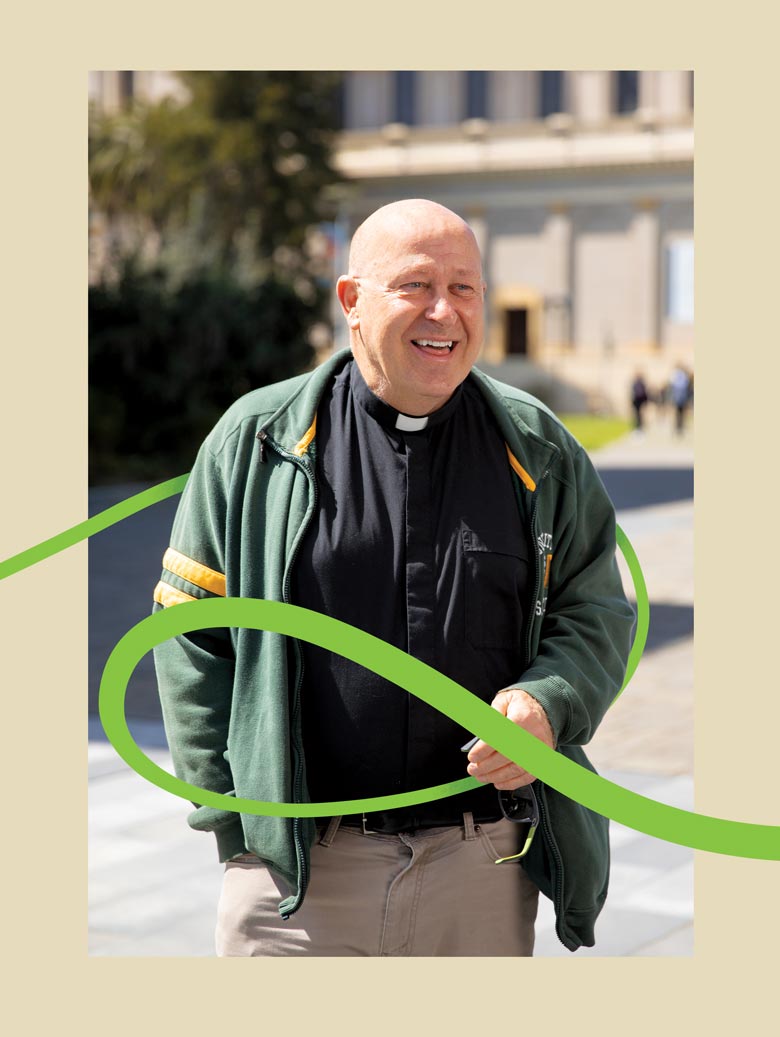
(550,93)
(679,281)
(626,92)
(476,95)
(404,98)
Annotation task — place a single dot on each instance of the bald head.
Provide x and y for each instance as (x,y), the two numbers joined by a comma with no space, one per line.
(410,219)
(413,301)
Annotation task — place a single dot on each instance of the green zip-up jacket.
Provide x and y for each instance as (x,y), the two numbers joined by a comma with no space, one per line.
(231,698)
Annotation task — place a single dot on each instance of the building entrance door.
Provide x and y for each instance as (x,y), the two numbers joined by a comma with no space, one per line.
(516,331)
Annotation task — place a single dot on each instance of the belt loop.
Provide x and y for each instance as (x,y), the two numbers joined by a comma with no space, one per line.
(468,825)
(329,834)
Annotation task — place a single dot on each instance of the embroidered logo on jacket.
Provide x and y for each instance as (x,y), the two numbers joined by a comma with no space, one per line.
(544,540)
(544,543)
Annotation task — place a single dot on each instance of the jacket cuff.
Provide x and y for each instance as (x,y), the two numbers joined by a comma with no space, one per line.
(226,826)
(552,694)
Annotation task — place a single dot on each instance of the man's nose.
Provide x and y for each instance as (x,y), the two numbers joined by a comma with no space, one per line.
(441,309)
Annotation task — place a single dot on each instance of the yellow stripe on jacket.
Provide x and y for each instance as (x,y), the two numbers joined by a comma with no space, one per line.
(166,595)
(192,571)
(517,467)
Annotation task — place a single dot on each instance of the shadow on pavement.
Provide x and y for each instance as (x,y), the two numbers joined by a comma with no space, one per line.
(668,623)
(646,487)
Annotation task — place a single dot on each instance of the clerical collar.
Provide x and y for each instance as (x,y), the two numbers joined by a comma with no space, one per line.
(406,423)
(388,416)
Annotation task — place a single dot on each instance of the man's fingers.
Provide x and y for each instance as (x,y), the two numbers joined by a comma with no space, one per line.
(517,783)
(481,752)
(499,771)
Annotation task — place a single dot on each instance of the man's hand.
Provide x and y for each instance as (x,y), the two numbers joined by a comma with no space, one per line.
(489,766)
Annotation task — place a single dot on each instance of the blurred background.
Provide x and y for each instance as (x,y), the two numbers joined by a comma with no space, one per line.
(221,205)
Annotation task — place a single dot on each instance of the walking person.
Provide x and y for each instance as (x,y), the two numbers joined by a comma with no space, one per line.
(680,386)
(639,397)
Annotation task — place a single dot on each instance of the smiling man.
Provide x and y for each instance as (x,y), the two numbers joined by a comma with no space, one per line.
(416,274)
(397,489)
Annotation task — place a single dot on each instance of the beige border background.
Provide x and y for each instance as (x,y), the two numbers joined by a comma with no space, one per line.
(731,980)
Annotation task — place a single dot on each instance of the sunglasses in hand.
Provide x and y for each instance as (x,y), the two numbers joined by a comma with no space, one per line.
(518,805)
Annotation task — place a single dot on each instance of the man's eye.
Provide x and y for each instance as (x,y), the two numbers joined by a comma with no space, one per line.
(464,289)
(414,284)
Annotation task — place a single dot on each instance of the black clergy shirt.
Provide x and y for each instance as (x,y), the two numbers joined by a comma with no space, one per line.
(418,539)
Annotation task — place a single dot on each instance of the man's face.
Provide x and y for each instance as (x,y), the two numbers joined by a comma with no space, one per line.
(416,312)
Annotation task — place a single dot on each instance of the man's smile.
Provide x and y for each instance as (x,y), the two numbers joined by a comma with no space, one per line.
(435,347)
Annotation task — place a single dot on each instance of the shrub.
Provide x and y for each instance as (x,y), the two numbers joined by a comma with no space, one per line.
(165,362)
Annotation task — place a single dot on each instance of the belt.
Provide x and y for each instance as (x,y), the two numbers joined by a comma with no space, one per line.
(393,823)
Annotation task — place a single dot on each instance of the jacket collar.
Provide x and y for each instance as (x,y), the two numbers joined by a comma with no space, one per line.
(532,450)
(293,424)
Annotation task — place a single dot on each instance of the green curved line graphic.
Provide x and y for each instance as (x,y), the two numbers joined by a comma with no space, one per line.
(162,491)
(635,811)
(96,524)
(642,608)
(672,824)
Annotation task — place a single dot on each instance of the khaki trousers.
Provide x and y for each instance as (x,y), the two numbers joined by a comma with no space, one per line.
(437,892)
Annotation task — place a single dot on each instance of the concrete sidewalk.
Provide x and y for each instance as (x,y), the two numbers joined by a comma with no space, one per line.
(154,883)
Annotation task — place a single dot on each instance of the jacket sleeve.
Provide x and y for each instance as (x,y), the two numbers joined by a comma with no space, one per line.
(195,671)
(585,634)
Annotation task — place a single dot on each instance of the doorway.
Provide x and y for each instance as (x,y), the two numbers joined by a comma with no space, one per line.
(516,331)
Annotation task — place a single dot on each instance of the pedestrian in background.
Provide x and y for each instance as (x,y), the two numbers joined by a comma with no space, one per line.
(681,392)
(639,397)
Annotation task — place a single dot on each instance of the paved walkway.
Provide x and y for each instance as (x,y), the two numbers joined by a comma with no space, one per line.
(154,883)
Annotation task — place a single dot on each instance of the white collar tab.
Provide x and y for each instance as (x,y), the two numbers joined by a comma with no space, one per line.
(406,423)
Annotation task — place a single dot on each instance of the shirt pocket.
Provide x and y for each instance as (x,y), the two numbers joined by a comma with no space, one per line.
(497,589)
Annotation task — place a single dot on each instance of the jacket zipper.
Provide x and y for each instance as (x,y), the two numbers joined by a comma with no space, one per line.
(557,861)
(549,839)
(297,749)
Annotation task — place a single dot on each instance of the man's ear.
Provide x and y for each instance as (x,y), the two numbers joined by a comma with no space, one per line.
(347,291)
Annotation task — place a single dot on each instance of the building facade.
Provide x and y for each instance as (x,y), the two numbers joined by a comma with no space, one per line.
(579,187)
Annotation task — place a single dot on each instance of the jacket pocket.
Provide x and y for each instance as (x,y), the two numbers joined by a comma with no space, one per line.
(497,583)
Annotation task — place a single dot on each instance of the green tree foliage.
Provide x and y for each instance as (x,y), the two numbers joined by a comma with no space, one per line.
(210,286)
(243,167)
(166,361)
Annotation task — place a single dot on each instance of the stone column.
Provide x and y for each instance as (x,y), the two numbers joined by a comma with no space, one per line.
(558,283)
(513,95)
(368,100)
(648,90)
(674,94)
(646,245)
(111,91)
(591,96)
